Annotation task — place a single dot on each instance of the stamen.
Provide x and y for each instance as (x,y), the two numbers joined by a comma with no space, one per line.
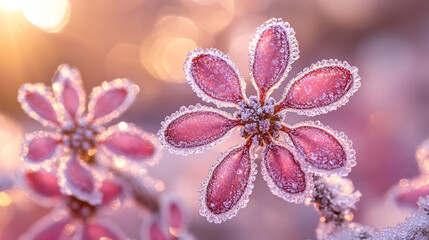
(260,120)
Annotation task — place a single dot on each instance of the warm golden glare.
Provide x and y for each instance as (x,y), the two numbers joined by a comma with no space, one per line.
(5,199)
(48,15)
(11,5)
(174,231)
(120,163)
(123,126)
(212,16)
(163,56)
(349,217)
(174,54)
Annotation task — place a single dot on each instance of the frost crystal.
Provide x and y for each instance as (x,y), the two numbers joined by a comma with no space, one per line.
(334,197)
(410,193)
(414,227)
(309,148)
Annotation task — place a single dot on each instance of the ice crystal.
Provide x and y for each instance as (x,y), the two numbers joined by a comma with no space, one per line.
(334,197)
(410,193)
(414,227)
(310,147)
(79,139)
(351,231)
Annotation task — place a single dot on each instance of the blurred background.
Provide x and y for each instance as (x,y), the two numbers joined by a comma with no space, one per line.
(147,41)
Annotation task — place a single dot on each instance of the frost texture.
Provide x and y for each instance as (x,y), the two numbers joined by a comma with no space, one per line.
(272,50)
(328,152)
(214,77)
(229,184)
(284,175)
(414,227)
(334,198)
(323,87)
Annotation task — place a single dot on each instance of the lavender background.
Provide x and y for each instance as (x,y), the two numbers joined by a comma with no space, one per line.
(147,41)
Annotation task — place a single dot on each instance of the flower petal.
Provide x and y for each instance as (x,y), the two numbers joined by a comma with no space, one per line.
(42,183)
(214,77)
(284,175)
(52,227)
(422,156)
(38,102)
(153,229)
(272,51)
(76,179)
(194,129)
(68,90)
(110,190)
(407,192)
(110,100)
(325,151)
(40,149)
(174,215)
(229,184)
(323,87)
(98,230)
(128,142)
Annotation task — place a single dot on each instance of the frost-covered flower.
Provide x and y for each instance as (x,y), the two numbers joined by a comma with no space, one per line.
(408,191)
(309,147)
(170,223)
(74,148)
(73,218)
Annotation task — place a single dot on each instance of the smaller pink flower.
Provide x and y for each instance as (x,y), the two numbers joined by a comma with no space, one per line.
(73,219)
(408,191)
(290,153)
(170,223)
(80,139)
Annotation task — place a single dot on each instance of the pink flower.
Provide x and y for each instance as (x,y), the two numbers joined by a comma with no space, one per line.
(80,144)
(170,223)
(291,152)
(74,219)
(408,191)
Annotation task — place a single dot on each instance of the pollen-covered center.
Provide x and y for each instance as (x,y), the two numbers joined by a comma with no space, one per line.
(80,137)
(260,120)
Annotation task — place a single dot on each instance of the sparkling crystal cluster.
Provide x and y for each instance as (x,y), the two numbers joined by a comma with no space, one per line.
(333,198)
(291,153)
(412,194)
(414,227)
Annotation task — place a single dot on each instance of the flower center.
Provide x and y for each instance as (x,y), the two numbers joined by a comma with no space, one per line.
(80,209)
(261,123)
(80,137)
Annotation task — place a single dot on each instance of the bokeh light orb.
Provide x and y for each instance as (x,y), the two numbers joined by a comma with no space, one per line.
(11,5)
(48,15)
